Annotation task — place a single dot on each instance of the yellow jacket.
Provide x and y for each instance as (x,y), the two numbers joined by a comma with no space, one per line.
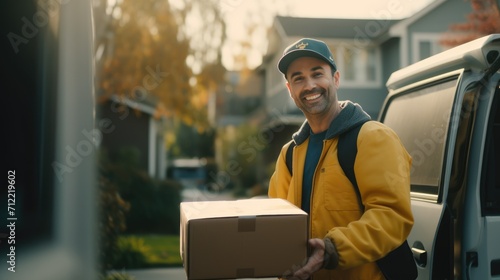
(382,169)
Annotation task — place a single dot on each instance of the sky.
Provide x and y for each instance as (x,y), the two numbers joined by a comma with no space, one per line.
(357,8)
(237,15)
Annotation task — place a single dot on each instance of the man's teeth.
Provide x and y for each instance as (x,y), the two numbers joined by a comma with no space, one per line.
(312,97)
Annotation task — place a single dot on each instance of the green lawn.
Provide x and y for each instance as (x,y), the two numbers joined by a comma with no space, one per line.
(164,249)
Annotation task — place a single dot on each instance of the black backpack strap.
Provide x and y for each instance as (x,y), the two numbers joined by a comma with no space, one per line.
(347,150)
(288,158)
(399,263)
(346,153)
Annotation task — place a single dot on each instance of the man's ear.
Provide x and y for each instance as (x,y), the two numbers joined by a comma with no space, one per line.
(336,79)
(288,87)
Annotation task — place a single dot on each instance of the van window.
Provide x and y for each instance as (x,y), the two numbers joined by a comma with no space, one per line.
(421,118)
(490,191)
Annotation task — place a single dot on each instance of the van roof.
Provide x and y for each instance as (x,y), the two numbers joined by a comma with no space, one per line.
(472,55)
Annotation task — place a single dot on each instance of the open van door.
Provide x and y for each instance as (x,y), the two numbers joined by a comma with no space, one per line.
(442,108)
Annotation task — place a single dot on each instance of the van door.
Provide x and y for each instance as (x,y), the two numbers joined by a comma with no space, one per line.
(490,191)
(426,118)
(480,254)
(450,125)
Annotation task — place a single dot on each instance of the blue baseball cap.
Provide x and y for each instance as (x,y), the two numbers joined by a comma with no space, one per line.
(305,47)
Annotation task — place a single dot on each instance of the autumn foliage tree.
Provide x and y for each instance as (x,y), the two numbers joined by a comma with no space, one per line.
(483,20)
(149,50)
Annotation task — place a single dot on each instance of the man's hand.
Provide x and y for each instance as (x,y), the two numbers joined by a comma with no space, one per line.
(314,262)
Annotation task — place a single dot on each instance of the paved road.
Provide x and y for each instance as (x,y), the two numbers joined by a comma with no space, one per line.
(165,274)
(158,274)
(194,194)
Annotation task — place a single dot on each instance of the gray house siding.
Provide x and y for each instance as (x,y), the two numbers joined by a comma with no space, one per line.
(390,58)
(434,24)
(370,99)
(420,34)
(456,11)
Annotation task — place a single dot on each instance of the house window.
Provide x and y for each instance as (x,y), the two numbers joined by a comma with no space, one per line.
(350,62)
(371,65)
(425,45)
(424,49)
(358,66)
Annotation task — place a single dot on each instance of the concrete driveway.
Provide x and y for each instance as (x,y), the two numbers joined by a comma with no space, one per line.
(158,274)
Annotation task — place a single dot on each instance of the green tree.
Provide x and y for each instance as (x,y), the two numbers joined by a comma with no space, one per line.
(240,147)
(113,211)
(188,142)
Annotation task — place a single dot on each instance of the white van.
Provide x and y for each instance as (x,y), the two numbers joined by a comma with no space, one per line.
(446,110)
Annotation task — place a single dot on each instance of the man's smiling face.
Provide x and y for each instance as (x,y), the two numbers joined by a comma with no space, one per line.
(312,86)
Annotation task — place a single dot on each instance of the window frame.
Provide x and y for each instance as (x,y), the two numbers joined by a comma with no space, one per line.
(418,192)
(489,190)
(432,38)
(361,81)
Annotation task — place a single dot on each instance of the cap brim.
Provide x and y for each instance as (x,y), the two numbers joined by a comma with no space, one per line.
(287,59)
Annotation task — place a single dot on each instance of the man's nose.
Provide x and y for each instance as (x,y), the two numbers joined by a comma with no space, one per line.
(310,84)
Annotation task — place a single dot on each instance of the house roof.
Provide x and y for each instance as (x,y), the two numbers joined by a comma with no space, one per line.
(333,27)
(472,55)
(146,105)
(401,27)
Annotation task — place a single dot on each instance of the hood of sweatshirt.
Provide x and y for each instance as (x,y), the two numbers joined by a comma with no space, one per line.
(351,115)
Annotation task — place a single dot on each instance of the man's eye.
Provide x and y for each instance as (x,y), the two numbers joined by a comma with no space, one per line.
(297,79)
(318,74)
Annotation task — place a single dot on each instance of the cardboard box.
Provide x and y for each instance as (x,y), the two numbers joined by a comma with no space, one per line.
(248,238)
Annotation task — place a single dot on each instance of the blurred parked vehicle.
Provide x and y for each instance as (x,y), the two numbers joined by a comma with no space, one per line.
(49,229)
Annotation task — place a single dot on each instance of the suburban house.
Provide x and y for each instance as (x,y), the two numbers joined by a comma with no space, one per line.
(130,126)
(366,52)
